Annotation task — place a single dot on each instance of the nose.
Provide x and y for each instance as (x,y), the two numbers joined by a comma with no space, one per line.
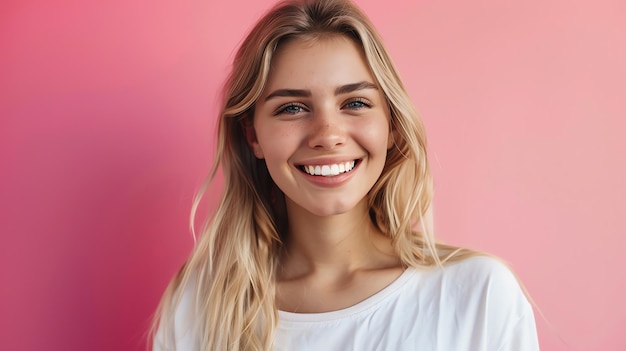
(328,130)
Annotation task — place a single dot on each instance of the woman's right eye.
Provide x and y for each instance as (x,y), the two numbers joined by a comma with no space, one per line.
(290,109)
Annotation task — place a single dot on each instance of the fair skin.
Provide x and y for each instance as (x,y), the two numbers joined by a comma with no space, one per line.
(322,127)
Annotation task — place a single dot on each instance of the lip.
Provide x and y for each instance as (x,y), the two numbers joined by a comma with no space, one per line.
(327,161)
(325,181)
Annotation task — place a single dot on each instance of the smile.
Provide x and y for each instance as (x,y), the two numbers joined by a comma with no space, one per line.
(329,170)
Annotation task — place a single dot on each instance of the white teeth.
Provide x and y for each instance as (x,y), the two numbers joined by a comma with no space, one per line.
(325,170)
(329,170)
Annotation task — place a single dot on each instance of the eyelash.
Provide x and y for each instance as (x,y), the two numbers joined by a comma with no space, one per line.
(283,109)
(363,103)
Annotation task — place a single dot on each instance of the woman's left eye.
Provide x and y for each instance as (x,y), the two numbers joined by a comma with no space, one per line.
(357,104)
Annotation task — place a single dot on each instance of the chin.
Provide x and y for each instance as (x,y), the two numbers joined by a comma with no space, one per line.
(331,207)
(332,210)
(327,213)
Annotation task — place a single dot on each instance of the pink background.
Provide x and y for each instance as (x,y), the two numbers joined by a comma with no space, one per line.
(107,113)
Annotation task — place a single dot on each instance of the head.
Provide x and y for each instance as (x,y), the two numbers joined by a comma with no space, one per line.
(402,193)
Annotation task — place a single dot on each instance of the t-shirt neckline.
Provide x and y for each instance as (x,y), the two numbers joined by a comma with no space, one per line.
(359,307)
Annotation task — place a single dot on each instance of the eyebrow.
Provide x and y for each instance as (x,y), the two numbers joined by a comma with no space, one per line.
(348,88)
(344,89)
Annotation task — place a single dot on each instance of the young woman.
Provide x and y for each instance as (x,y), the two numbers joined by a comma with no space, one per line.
(321,240)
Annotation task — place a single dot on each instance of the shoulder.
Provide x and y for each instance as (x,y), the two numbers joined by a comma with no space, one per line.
(481,271)
(471,273)
(474,285)
(486,281)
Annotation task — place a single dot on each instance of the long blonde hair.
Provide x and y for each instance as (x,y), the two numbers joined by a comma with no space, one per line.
(232,267)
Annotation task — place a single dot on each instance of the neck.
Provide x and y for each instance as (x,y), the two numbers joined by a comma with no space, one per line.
(338,244)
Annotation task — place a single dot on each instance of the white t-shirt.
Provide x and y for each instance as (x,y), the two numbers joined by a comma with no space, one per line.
(475,304)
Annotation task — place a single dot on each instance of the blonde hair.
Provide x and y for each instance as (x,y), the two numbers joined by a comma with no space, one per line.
(233,264)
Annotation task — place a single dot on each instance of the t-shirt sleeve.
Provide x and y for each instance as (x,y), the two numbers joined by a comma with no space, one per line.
(504,317)
(519,332)
(523,336)
(510,312)
(179,334)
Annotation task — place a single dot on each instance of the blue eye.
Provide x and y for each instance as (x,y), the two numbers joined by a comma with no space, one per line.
(357,105)
(290,109)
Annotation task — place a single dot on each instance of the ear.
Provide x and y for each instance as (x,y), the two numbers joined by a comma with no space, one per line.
(251,139)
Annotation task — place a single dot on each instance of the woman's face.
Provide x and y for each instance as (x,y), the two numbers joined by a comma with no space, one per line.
(322,125)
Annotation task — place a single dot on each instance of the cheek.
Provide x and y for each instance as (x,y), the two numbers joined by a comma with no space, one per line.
(276,143)
(376,137)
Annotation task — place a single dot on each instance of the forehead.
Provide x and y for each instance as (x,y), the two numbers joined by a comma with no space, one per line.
(329,59)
